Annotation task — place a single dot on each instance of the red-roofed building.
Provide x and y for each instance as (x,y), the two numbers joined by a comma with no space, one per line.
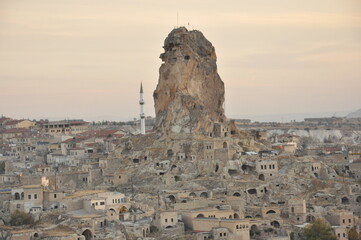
(65,127)
(24,123)
(13,132)
(3,120)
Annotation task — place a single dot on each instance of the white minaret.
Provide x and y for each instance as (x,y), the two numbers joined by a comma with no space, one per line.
(142,116)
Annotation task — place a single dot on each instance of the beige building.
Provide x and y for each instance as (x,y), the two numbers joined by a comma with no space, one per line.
(239,228)
(14,132)
(297,206)
(28,199)
(188,216)
(66,127)
(165,219)
(266,169)
(297,210)
(341,232)
(53,198)
(24,123)
(340,218)
(8,179)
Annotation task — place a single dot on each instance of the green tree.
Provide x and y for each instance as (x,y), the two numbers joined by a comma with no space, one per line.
(353,234)
(318,230)
(2,167)
(20,218)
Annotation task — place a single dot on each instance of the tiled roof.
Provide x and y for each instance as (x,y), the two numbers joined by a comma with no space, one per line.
(15,130)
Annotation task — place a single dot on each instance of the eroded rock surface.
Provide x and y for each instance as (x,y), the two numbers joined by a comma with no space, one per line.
(190,94)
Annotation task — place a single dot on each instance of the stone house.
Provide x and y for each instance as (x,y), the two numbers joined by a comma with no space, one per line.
(340,218)
(297,210)
(165,219)
(221,130)
(237,227)
(53,198)
(28,198)
(208,151)
(266,169)
(8,179)
(190,216)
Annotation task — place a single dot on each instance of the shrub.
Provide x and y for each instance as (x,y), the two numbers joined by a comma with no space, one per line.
(20,218)
(318,230)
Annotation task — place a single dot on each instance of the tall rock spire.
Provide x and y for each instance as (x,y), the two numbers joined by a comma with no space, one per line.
(190,94)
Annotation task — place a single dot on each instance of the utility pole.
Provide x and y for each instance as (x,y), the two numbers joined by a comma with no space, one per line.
(158,201)
(131,180)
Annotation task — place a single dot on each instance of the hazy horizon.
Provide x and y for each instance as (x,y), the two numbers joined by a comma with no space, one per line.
(287,117)
(84,59)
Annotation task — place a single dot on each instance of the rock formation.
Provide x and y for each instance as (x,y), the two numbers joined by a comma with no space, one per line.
(190,94)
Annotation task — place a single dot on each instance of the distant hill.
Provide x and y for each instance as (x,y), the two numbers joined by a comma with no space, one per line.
(356,114)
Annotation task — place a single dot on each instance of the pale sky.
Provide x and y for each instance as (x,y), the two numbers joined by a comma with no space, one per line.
(86,58)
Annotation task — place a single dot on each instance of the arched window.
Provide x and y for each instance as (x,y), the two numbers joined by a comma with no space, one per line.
(17,196)
(236,194)
(172,198)
(270,211)
(87,234)
(204,195)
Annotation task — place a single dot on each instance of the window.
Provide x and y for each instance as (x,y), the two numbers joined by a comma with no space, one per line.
(54,195)
(343,221)
(96,203)
(102,203)
(349,220)
(35,196)
(166,220)
(29,196)
(171,219)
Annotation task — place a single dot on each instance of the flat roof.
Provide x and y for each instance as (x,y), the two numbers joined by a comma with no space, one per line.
(85,193)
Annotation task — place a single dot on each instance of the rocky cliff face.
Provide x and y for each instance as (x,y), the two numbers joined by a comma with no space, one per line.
(190,94)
